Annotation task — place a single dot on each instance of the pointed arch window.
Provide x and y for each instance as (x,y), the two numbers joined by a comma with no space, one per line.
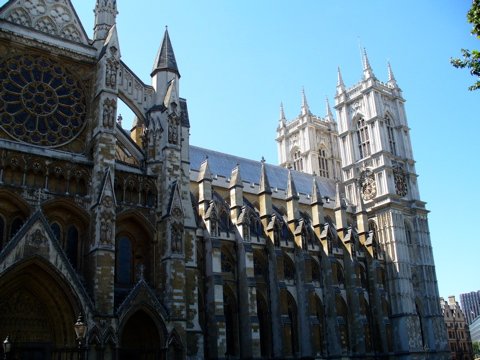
(71,245)
(16,225)
(391,136)
(297,161)
(124,257)
(363,138)
(57,231)
(323,163)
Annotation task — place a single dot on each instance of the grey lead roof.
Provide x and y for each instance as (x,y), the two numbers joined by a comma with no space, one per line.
(222,165)
(165,59)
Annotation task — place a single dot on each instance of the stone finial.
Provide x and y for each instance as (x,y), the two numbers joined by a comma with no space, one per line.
(329,114)
(391,78)
(367,69)
(264,183)
(316,195)
(340,83)
(291,189)
(236,178)
(305,108)
(204,173)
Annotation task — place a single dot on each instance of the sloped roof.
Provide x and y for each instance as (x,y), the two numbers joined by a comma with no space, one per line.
(57,18)
(222,164)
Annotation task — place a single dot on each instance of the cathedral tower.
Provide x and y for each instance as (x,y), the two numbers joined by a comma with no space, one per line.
(376,157)
(308,143)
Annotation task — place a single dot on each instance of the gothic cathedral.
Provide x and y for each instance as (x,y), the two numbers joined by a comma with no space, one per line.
(119,244)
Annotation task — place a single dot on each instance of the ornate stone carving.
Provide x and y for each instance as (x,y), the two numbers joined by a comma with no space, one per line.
(111,69)
(109,112)
(37,239)
(173,130)
(106,230)
(177,238)
(400,179)
(107,201)
(49,17)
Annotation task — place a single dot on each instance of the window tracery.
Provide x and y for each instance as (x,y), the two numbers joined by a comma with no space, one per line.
(297,161)
(42,103)
(391,136)
(363,138)
(323,163)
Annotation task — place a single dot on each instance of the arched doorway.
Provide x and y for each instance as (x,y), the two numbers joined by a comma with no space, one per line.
(37,311)
(141,338)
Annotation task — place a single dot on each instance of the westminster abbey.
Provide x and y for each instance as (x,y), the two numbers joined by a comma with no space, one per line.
(158,249)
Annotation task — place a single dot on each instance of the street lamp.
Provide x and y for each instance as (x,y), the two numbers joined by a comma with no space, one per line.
(80,328)
(7,347)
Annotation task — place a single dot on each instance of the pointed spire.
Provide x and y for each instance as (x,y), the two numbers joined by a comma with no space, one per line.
(236,178)
(340,83)
(282,112)
(204,173)
(316,195)
(264,183)
(165,60)
(367,69)
(105,17)
(391,78)
(291,189)
(305,108)
(282,121)
(329,116)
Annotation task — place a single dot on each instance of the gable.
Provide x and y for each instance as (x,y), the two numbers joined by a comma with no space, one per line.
(57,18)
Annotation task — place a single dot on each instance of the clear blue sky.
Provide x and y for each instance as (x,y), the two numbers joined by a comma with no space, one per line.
(240,59)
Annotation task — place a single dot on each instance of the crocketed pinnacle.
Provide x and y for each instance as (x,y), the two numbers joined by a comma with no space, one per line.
(367,69)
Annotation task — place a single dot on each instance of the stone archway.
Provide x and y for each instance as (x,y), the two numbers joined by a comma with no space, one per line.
(141,339)
(37,311)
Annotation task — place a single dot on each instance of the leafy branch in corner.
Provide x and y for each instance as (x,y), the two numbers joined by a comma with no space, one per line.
(471,58)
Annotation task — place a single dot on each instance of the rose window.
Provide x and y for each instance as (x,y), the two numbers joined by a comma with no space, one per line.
(41,103)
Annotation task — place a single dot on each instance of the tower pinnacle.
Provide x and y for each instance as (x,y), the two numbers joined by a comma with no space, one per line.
(305,108)
(391,78)
(105,17)
(282,119)
(165,60)
(367,69)
(329,115)
(340,83)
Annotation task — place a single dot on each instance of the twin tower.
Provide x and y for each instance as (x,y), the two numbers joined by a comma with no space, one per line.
(171,251)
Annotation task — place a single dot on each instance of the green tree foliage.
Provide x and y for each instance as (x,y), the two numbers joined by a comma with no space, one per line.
(476,348)
(471,58)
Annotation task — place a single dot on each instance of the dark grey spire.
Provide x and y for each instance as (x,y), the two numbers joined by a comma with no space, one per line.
(165,60)
(264,183)
(291,189)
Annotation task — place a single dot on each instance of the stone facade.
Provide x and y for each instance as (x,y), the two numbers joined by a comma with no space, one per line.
(171,251)
(457,329)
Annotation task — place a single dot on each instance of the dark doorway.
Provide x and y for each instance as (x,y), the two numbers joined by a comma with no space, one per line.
(140,339)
